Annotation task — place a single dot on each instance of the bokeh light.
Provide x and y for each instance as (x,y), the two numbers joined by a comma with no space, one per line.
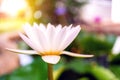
(12,7)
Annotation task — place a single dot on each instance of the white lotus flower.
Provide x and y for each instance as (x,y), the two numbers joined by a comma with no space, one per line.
(49,41)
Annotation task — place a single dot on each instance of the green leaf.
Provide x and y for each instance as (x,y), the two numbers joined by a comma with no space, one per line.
(91,43)
(116,70)
(102,73)
(35,71)
(79,65)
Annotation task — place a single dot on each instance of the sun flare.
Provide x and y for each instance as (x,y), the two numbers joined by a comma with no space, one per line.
(12,7)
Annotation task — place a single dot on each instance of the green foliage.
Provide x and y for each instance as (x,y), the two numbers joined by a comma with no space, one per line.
(79,65)
(84,78)
(83,66)
(91,43)
(75,3)
(102,73)
(94,45)
(58,69)
(35,71)
(115,65)
(115,60)
(115,70)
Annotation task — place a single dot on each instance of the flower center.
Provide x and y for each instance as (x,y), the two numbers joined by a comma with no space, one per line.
(50,53)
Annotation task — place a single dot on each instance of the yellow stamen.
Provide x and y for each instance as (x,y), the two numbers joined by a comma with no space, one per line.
(50,53)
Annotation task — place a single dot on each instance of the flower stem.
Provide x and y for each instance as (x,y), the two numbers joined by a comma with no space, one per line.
(50,71)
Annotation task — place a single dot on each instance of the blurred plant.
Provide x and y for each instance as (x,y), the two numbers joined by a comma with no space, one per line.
(115,60)
(85,69)
(102,73)
(35,71)
(91,43)
(115,65)
(76,3)
(116,70)
(97,44)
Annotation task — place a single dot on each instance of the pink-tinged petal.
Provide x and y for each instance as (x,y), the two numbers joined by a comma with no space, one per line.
(42,27)
(52,59)
(30,32)
(69,27)
(58,27)
(70,36)
(75,54)
(35,24)
(58,38)
(56,41)
(43,38)
(30,43)
(30,52)
(50,32)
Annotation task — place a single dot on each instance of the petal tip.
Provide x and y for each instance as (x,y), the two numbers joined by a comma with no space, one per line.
(78,27)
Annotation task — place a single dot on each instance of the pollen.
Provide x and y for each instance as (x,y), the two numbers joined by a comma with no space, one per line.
(50,53)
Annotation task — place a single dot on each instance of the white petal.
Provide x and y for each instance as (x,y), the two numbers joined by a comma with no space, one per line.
(30,32)
(50,29)
(59,37)
(22,51)
(116,46)
(50,32)
(42,27)
(59,27)
(53,59)
(35,24)
(30,43)
(43,38)
(69,27)
(69,37)
(75,54)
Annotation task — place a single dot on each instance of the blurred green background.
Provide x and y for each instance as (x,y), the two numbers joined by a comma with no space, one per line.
(105,65)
